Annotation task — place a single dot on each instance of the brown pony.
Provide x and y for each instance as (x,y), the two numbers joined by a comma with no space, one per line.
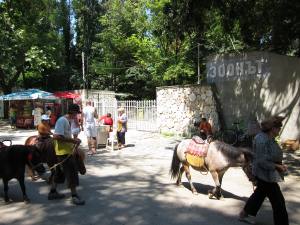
(220,157)
(49,156)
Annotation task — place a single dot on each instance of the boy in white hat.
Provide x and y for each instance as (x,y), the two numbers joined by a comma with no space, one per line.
(44,128)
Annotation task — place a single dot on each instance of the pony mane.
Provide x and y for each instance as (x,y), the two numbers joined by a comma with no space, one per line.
(229,150)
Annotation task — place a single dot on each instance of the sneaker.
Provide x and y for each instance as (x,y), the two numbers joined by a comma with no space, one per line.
(77,201)
(55,195)
(247,219)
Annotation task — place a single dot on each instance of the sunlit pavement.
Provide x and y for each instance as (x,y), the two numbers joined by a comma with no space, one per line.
(132,186)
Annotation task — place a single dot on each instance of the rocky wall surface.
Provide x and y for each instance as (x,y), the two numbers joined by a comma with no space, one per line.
(178,107)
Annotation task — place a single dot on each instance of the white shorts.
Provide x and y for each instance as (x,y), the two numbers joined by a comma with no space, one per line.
(90,130)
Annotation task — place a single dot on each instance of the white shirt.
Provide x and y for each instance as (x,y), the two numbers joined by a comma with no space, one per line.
(89,114)
(63,127)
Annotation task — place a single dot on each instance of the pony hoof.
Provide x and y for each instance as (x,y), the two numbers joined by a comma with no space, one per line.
(195,192)
(179,184)
(210,196)
(219,197)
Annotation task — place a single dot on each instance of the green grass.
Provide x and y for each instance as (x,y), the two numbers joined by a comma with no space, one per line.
(168,134)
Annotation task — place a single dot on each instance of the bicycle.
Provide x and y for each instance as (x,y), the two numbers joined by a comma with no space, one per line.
(233,136)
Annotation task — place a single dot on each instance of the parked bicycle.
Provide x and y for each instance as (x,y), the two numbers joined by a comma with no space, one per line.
(234,135)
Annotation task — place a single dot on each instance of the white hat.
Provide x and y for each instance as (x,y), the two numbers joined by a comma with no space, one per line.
(45,117)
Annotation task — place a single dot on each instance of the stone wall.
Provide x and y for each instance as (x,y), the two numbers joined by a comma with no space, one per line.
(178,107)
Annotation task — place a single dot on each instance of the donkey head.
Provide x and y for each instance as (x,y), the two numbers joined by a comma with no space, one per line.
(34,157)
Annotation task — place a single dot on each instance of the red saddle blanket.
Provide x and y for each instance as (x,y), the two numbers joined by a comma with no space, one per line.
(197,149)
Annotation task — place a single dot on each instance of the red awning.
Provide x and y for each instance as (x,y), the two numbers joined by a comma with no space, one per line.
(66,94)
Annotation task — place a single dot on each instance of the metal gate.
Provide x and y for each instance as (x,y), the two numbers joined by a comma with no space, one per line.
(141,114)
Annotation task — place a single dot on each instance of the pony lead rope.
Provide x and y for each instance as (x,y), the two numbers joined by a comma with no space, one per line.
(73,150)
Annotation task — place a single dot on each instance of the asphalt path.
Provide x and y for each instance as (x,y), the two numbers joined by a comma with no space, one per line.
(132,186)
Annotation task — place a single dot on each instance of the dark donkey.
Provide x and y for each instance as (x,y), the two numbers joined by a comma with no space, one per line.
(220,157)
(13,160)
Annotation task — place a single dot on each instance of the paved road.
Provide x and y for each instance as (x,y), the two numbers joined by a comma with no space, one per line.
(133,187)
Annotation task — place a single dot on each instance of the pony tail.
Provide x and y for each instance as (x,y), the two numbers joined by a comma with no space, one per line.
(175,165)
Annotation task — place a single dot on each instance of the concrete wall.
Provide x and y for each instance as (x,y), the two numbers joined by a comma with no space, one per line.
(178,107)
(257,85)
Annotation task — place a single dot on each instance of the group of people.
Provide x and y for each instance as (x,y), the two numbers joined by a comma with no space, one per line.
(268,168)
(37,113)
(66,140)
(89,118)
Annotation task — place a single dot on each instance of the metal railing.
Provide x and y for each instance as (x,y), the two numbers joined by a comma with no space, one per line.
(142,115)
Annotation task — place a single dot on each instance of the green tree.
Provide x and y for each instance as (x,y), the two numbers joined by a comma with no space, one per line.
(87,26)
(120,50)
(272,25)
(28,42)
(133,46)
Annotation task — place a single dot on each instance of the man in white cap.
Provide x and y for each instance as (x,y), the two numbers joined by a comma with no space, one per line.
(89,114)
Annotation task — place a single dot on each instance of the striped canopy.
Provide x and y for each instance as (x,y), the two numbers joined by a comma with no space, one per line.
(28,95)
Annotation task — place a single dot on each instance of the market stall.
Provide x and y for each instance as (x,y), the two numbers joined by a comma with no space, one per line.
(66,94)
(67,98)
(23,103)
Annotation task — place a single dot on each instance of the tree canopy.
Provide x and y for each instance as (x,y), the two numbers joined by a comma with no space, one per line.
(133,46)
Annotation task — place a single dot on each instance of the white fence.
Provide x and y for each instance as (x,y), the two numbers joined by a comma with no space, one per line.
(142,115)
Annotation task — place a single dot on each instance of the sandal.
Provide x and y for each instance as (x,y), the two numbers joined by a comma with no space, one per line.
(244,217)
(55,195)
(247,219)
(77,201)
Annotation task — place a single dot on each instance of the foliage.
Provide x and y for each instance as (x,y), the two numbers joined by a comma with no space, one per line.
(133,46)
(27,41)
(266,24)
